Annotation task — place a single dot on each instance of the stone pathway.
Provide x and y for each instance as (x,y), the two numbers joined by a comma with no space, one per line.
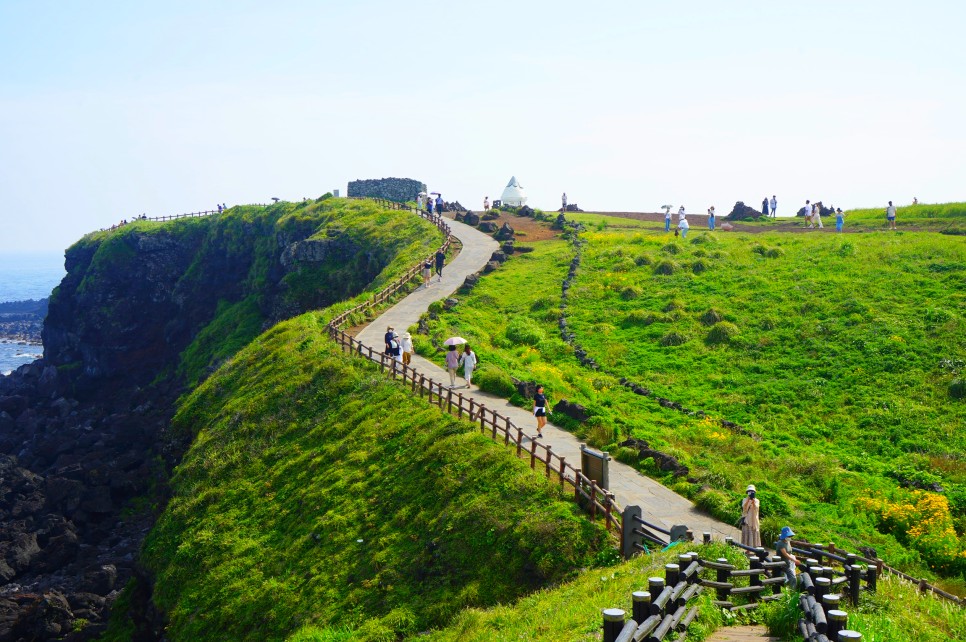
(742,634)
(659,505)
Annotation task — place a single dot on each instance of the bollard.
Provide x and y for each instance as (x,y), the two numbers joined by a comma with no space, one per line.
(654,586)
(722,576)
(613,624)
(831,602)
(870,578)
(854,573)
(822,587)
(845,635)
(706,538)
(671,574)
(642,605)
(836,622)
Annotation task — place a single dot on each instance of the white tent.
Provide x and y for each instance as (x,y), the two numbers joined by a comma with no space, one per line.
(514,195)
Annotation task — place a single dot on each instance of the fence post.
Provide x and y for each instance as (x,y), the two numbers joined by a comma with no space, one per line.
(563,469)
(506,421)
(641,605)
(533,454)
(493,423)
(577,485)
(608,513)
(854,573)
(422,380)
(519,442)
(593,500)
(549,457)
(613,624)
(483,419)
(459,405)
(722,576)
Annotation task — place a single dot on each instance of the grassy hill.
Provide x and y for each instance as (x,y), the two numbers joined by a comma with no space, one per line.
(840,358)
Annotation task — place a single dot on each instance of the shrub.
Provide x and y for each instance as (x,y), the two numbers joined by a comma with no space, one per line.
(493,379)
(623,264)
(774,252)
(641,317)
(957,388)
(673,339)
(672,305)
(665,267)
(699,266)
(671,248)
(524,331)
(630,293)
(722,332)
(643,260)
(718,505)
(711,316)
(543,303)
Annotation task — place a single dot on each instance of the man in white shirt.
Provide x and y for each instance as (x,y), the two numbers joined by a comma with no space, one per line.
(774,205)
(891,216)
(680,213)
(808,213)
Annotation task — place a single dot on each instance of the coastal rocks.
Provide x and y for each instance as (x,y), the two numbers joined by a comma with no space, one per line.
(526,210)
(340,248)
(505,233)
(470,282)
(499,256)
(491,215)
(22,321)
(662,461)
(490,267)
(471,218)
(742,212)
(507,247)
(573,410)
(489,227)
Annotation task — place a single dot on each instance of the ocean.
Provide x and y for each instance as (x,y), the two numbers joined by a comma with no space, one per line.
(26,276)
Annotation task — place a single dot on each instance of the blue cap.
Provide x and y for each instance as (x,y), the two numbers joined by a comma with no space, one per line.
(786,532)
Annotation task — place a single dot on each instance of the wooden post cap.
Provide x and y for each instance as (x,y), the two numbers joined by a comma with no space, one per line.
(838,616)
(846,634)
(613,615)
(641,596)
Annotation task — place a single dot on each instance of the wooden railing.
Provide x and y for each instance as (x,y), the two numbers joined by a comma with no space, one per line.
(598,501)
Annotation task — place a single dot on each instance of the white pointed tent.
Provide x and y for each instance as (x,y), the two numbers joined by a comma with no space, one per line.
(513,194)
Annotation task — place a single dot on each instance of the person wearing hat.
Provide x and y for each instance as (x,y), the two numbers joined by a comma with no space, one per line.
(784,548)
(389,336)
(407,348)
(839,220)
(750,525)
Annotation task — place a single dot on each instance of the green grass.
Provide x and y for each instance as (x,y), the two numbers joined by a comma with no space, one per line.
(839,353)
(318,493)
(948,217)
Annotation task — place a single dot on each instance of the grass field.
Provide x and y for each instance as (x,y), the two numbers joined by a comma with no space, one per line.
(840,358)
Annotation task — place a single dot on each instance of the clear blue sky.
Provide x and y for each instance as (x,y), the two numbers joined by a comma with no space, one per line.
(110,109)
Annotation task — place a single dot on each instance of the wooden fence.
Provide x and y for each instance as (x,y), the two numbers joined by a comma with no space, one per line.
(598,501)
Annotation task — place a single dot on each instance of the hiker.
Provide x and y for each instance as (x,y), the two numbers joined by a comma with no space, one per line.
(667,219)
(540,410)
(440,259)
(774,206)
(839,220)
(452,363)
(486,203)
(440,206)
(711,218)
(395,348)
(891,216)
(784,548)
(469,364)
(683,226)
(407,348)
(764,206)
(389,335)
(427,272)
(817,215)
(808,212)
(750,525)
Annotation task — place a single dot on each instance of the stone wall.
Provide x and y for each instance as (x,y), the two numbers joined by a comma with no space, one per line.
(394,189)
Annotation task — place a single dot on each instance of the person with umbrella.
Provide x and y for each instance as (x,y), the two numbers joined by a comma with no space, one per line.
(439,204)
(453,358)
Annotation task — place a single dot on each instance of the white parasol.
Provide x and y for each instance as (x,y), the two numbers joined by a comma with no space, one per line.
(454,341)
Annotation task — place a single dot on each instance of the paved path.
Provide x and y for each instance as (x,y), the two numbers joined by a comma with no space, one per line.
(742,634)
(659,505)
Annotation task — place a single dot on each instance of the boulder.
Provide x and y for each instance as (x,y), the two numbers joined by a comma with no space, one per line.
(573,410)
(99,579)
(460,216)
(469,283)
(561,222)
(507,247)
(526,389)
(506,233)
(499,256)
(489,227)
(743,212)
(663,461)
(490,267)
(526,210)
(491,215)
(450,303)
(471,218)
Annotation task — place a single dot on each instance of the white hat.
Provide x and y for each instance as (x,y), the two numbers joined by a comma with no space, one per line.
(751,487)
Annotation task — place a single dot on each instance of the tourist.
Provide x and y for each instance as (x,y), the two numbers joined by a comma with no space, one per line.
(440,206)
(891,216)
(452,363)
(808,212)
(389,335)
(915,201)
(764,206)
(683,226)
(711,218)
(396,349)
(817,215)
(407,348)
(750,525)
(419,202)
(667,219)
(219,208)
(440,259)
(427,272)
(469,363)
(681,213)
(774,206)
(430,205)
(839,220)
(540,410)
(784,548)
(486,203)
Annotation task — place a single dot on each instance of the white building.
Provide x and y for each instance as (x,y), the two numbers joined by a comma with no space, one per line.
(514,195)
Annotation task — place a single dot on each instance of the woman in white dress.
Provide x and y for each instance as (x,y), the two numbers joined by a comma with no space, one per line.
(469,364)
(751,528)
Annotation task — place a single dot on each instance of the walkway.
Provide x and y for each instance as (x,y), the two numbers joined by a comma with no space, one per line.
(742,634)
(659,505)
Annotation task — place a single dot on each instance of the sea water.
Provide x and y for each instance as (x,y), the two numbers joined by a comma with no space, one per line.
(26,276)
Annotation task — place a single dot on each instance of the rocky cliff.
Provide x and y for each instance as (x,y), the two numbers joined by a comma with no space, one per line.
(143,312)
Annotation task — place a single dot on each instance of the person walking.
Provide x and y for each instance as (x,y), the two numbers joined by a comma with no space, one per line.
(540,410)
(750,526)
(711,218)
(419,202)
(430,205)
(839,220)
(774,206)
(388,338)
(784,548)
(452,363)
(486,203)
(683,226)
(764,206)
(427,272)
(808,212)
(396,348)
(440,259)
(681,213)
(440,206)
(407,348)
(891,216)
(469,364)
(667,219)
(817,215)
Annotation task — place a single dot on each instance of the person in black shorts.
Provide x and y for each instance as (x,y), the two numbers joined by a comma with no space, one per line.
(440,259)
(540,410)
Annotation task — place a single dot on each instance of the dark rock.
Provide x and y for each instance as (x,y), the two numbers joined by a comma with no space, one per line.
(742,212)
(99,579)
(526,210)
(490,267)
(471,218)
(461,216)
(573,410)
(470,282)
(499,256)
(13,405)
(489,227)
(663,461)
(506,233)
(507,247)
(561,222)
(491,216)
(450,303)
(526,389)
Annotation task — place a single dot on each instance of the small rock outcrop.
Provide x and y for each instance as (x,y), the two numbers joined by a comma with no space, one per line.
(573,410)
(471,218)
(505,233)
(489,227)
(743,212)
(663,461)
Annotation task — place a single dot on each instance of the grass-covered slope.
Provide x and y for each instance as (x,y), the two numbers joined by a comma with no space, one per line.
(320,494)
(941,217)
(843,355)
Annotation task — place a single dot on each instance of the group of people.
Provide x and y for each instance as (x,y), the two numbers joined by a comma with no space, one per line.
(751,532)
(433,205)
(813,216)
(438,260)
(466,358)
(400,349)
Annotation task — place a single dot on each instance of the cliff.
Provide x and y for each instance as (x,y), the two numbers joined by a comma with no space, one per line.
(144,313)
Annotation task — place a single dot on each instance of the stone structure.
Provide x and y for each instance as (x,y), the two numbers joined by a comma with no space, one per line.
(394,189)
(513,194)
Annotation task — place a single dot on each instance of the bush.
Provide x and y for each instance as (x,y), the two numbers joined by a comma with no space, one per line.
(630,293)
(524,331)
(665,267)
(957,388)
(671,248)
(699,266)
(672,305)
(673,339)
(640,317)
(711,316)
(643,260)
(623,264)
(493,379)
(722,332)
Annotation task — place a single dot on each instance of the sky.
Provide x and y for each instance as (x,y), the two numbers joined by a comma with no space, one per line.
(113,109)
